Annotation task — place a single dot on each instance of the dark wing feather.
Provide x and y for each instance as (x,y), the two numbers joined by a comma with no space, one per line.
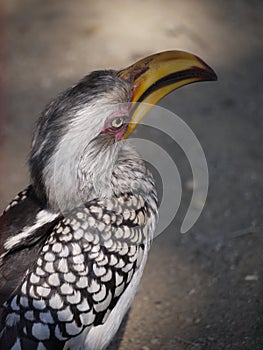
(15,261)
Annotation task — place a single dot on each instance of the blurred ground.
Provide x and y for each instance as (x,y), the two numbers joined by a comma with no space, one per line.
(202,290)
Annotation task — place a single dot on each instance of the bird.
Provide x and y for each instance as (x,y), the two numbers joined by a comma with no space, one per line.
(74,243)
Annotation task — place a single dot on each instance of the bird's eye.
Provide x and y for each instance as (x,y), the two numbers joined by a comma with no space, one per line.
(117,122)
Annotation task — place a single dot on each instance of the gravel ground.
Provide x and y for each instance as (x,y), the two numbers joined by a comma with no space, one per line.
(201,290)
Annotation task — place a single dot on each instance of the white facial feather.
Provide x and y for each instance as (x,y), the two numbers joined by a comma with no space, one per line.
(82,164)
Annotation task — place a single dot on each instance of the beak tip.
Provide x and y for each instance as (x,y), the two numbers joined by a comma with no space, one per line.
(212,74)
(204,73)
(209,72)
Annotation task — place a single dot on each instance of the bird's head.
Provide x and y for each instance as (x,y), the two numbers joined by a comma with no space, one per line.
(80,133)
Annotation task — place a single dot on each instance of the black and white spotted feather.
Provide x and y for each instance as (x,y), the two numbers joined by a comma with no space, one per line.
(81,269)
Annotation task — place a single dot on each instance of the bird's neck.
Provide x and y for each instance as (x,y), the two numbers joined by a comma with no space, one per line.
(113,170)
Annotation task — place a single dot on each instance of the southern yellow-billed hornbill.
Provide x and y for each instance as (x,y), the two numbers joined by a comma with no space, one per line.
(75,242)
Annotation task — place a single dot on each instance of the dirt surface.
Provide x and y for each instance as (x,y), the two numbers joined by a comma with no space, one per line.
(201,290)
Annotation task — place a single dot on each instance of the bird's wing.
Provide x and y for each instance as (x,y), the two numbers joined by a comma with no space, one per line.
(84,267)
(24,226)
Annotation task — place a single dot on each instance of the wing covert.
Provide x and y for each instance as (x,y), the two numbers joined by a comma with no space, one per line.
(85,265)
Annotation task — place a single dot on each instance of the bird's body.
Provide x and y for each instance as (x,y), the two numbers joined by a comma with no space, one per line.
(84,263)
(75,242)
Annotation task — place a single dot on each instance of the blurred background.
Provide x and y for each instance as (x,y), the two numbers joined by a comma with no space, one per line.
(201,290)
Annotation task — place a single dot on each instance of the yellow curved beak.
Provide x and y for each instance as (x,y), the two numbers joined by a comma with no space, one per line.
(155,76)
